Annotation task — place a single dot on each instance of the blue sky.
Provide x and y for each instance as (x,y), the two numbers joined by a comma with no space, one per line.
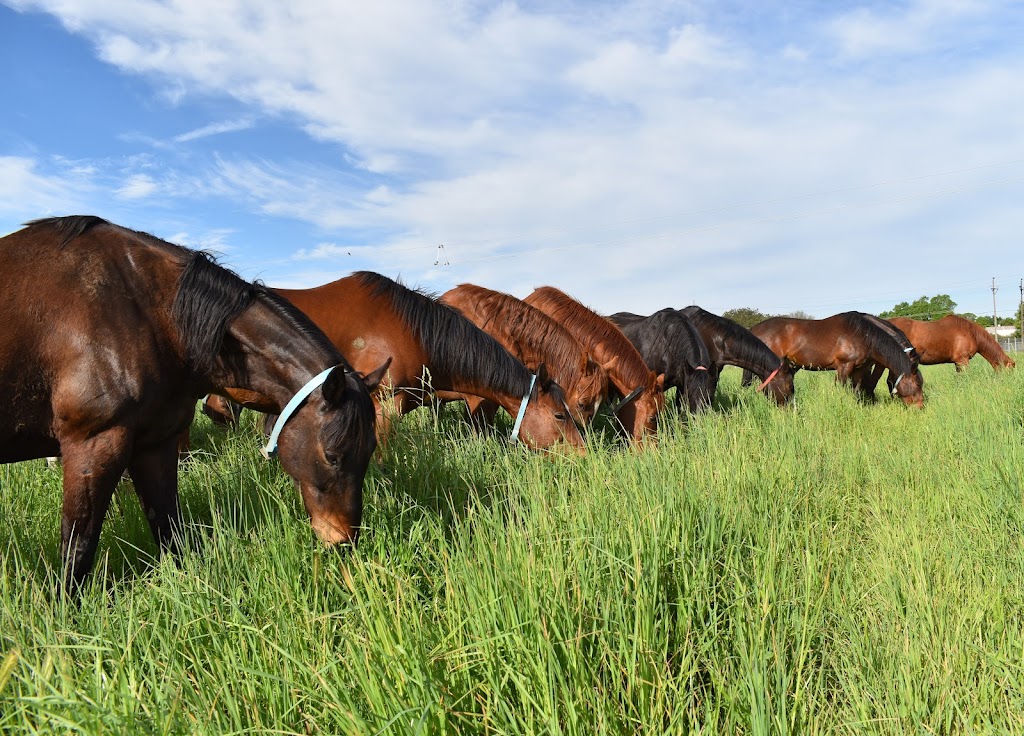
(815,156)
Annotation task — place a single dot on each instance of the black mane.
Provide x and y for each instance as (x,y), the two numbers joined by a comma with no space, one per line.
(898,335)
(453,344)
(880,341)
(69,227)
(747,350)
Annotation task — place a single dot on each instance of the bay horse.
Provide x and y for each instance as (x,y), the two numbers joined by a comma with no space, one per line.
(369,317)
(534,339)
(642,389)
(729,343)
(670,344)
(865,378)
(953,339)
(844,343)
(105,349)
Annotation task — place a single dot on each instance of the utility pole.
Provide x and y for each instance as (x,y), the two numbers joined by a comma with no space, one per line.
(1020,308)
(995,322)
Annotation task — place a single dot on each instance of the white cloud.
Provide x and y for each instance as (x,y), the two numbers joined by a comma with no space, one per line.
(634,153)
(26,192)
(906,28)
(228,126)
(138,186)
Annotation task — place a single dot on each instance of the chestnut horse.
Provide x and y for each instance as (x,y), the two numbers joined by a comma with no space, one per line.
(369,317)
(670,344)
(953,339)
(844,343)
(643,391)
(105,349)
(729,343)
(535,339)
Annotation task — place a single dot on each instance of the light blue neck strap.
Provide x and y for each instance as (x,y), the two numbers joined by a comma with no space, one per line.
(270,449)
(522,410)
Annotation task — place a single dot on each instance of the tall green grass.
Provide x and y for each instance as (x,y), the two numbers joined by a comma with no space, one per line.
(831,568)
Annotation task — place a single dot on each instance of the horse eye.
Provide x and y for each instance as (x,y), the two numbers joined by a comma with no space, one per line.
(332,459)
(560,416)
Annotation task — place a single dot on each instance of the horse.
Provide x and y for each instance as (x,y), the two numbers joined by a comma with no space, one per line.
(534,339)
(953,339)
(729,343)
(369,316)
(641,389)
(844,343)
(670,344)
(104,352)
(865,378)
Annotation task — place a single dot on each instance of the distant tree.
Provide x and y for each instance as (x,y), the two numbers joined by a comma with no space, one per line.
(746,316)
(800,314)
(925,308)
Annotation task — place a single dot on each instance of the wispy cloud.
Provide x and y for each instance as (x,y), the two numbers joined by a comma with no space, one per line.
(138,186)
(633,152)
(228,126)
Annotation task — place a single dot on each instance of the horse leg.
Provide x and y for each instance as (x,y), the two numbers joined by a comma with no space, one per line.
(154,473)
(481,413)
(748,378)
(843,371)
(91,471)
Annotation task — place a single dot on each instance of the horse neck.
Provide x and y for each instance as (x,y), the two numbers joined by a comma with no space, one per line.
(988,347)
(751,355)
(273,359)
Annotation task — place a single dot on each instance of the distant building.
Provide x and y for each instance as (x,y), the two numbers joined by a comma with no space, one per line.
(1002,330)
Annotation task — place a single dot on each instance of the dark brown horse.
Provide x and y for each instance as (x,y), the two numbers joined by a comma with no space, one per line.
(369,317)
(105,349)
(535,339)
(845,343)
(953,339)
(642,390)
(729,343)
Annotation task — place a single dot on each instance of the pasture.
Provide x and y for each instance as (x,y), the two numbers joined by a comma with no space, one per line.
(827,568)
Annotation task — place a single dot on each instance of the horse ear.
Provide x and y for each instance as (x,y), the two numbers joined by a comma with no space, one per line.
(611,364)
(372,380)
(334,387)
(542,374)
(659,382)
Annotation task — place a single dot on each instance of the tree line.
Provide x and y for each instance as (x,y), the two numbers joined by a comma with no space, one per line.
(925,308)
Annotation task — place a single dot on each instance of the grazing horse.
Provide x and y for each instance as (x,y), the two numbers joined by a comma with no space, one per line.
(643,390)
(953,339)
(729,343)
(104,351)
(844,343)
(369,317)
(535,339)
(670,344)
(865,378)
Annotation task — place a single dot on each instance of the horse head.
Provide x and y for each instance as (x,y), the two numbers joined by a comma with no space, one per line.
(638,412)
(779,383)
(909,387)
(329,471)
(547,417)
(590,390)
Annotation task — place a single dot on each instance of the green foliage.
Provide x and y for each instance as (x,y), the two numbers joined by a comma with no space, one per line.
(746,316)
(925,309)
(829,568)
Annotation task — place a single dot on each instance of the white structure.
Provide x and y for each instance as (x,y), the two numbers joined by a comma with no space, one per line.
(1002,330)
